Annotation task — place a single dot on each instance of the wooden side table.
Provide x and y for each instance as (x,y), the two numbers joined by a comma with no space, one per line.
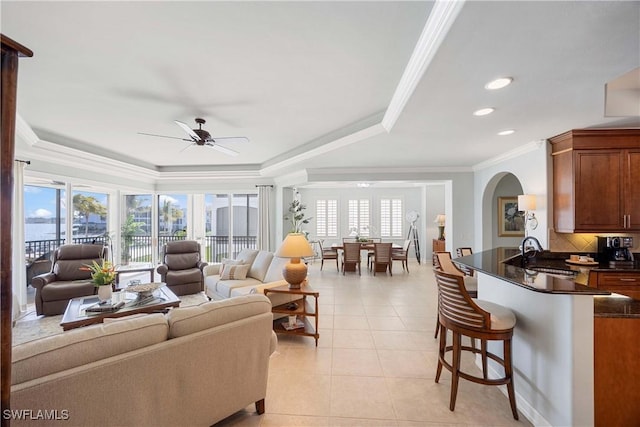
(304,310)
(438,246)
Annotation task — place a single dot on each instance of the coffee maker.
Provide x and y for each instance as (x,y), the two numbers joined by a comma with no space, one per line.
(615,249)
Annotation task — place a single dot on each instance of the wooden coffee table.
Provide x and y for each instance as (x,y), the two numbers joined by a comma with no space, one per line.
(75,315)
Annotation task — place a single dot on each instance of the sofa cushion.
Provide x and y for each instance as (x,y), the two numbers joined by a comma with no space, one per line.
(78,347)
(71,269)
(247,255)
(224,287)
(235,272)
(182,261)
(180,277)
(260,265)
(274,273)
(188,320)
(226,262)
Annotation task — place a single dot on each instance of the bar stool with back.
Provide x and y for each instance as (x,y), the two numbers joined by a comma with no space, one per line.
(484,320)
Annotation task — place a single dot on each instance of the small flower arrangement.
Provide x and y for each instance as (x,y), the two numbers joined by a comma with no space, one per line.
(104,274)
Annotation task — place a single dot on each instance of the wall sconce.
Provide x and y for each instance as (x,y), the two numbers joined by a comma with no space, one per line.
(527,203)
(440,221)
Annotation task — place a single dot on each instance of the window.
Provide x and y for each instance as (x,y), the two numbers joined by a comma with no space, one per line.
(327,218)
(89,216)
(391,218)
(44,221)
(172,218)
(135,232)
(359,216)
(231,222)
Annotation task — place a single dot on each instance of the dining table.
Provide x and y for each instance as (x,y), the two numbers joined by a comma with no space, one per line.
(364,246)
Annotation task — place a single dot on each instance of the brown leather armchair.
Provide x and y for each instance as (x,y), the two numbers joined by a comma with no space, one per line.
(66,280)
(182,267)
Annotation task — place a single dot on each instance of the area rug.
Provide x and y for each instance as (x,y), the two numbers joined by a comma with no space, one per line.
(30,327)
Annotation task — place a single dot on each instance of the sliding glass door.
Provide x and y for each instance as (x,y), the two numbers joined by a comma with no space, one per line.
(231,224)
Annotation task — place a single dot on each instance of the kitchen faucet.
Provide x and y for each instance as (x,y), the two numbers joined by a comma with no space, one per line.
(537,247)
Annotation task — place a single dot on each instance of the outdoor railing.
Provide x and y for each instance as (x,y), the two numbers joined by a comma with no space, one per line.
(139,247)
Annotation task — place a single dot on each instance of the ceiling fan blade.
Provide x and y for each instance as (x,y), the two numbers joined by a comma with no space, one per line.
(164,136)
(190,145)
(188,130)
(225,150)
(230,139)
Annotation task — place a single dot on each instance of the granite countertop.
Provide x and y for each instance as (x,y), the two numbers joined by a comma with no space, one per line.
(491,262)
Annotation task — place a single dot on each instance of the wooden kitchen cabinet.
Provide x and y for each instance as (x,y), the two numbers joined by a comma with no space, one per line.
(595,178)
(618,281)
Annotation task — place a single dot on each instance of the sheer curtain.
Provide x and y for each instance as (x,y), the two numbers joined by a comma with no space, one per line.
(19,275)
(264,215)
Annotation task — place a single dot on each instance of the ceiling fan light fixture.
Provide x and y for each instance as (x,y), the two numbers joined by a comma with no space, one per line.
(499,83)
(506,132)
(484,111)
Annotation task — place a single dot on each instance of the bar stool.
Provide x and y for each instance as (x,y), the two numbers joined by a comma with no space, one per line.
(479,319)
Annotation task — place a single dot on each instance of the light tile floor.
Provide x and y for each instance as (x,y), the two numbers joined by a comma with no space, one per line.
(374,365)
(375,362)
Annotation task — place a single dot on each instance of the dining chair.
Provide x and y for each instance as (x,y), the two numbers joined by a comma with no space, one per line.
(476,319)
(371,240)
(463,251)
(402,254)
(444,264)
(351,256)
(381,258)
(328,253)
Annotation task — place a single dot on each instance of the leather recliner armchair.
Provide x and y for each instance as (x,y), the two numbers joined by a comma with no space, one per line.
(66,280)
(182,267)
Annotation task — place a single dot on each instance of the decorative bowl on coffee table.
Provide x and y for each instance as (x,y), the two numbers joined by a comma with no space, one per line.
(143,289)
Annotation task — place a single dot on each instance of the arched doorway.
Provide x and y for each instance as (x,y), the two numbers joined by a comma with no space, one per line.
(502,185)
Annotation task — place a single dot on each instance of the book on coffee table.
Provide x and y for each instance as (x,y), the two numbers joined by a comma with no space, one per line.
(104,307)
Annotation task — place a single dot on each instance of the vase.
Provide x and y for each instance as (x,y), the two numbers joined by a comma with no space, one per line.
(105,292)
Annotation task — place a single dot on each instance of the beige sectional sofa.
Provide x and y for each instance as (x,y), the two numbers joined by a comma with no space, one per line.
(265,270)
(193,366)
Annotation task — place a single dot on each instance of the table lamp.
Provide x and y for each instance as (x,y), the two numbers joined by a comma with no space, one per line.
(440,221)
(294,246)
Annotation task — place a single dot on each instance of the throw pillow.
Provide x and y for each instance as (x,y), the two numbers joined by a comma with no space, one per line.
(227,262)
(235,272)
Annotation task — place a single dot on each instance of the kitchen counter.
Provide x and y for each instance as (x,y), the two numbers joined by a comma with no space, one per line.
(553,339)
(492,262)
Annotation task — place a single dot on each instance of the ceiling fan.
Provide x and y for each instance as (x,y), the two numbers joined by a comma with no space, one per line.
(203,138)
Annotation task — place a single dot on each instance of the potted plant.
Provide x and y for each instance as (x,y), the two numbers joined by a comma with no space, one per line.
(297,217)
(102,275)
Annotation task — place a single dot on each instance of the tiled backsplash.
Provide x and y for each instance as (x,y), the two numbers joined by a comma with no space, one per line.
(584,242)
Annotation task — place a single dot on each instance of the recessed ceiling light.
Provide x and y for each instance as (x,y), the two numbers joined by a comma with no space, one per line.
(363,184)
(506,132)
(484,111)
(498,83)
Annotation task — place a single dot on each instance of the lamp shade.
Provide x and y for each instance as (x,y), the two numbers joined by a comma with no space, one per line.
(440,219)
(526,202)
(295,245)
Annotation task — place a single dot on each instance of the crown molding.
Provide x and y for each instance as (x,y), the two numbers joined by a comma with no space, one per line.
(356,132)
(516,152)
(442,16)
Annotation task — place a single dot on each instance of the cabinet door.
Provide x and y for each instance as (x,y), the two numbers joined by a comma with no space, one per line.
(632,189)
(598,190)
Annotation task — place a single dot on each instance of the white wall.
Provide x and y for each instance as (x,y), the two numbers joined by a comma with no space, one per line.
(531,169)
